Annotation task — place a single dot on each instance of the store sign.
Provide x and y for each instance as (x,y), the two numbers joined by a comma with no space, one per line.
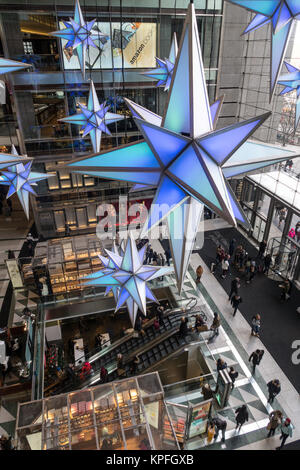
(133,46)
(14,273)
(199,418)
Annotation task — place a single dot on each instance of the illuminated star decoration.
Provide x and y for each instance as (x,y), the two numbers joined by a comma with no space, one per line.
(7,65)
(20,178)
(127,277)
(182,155)
(291,82)
(94,118)
(8,159)
(80,35)
(163,73)
(281,14)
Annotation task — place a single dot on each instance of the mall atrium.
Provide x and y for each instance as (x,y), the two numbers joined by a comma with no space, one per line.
(149,225)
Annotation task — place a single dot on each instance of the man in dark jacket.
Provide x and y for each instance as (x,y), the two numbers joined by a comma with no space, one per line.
(236,300)
(256,357)
(183,328)
(267,263)
(220,425)
(235,285)
(233,374)
(274,389)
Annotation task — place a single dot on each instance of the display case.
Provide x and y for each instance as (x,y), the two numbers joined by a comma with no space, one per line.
(122,415)
(64,263)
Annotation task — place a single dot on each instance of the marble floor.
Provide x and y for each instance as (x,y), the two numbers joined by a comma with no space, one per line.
(234,345)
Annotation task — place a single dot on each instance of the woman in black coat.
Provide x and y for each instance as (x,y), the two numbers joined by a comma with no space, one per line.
(242,416)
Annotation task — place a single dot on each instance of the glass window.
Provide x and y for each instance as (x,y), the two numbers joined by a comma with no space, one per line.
(59,218)
(81,216)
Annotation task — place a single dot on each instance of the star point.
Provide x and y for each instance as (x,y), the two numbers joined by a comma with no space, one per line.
(281,14)
(291,82)
(127,277)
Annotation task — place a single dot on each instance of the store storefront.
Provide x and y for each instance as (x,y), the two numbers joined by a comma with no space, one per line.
(126,415)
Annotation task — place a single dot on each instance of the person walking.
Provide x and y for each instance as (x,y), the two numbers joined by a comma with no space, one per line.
(262,248)
(160,314)
(282,216)
(220,425)
(286,431)
(275,419)
(199,272)
(225,267)
(242,416)
(183,328)
(236,300)
(255,325)
(267,263)
(233,374)
(274,388)
(286,290)
(221,364)
(235,285)
(255,358)
(168,256)
(103,375)
(215,327)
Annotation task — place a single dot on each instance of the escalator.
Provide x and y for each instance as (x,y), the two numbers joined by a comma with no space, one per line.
(151,348)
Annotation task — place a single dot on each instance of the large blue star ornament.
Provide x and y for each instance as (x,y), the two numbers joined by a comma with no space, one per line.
(7,65)
(281,14)
(20,180)
(291,82)
(8,159)
(94,118)
(80,35)
(127,277)
(182,154)
(163,73)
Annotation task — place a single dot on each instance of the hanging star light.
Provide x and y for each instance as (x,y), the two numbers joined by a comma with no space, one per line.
(80,35)
(291,82)
(281,14)
(94,118)
(163,73)
(20,178)
(182,155)
(8,159)
(7,65)
(127,277)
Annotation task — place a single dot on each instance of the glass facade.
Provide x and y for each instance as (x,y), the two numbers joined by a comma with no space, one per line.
(125,415)
(53,87)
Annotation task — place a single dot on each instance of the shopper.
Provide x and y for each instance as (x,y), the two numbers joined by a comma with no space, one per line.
(156,324)
(210,432)
(215,326)
(183,328)
(262,248)
(282,216)
(256,357)
(255,325)
(285,290)
(86,370)
(220,425)
(236,300)
(275,419)
(233,374)
(168,256)
(225,267)
(199,272)
(235,285)
(160,314)
(267,263)
(200,324)
(286,431)
(134,365)
(221,364)
(103,375)
(242,416)
(274,389)
(207,392)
